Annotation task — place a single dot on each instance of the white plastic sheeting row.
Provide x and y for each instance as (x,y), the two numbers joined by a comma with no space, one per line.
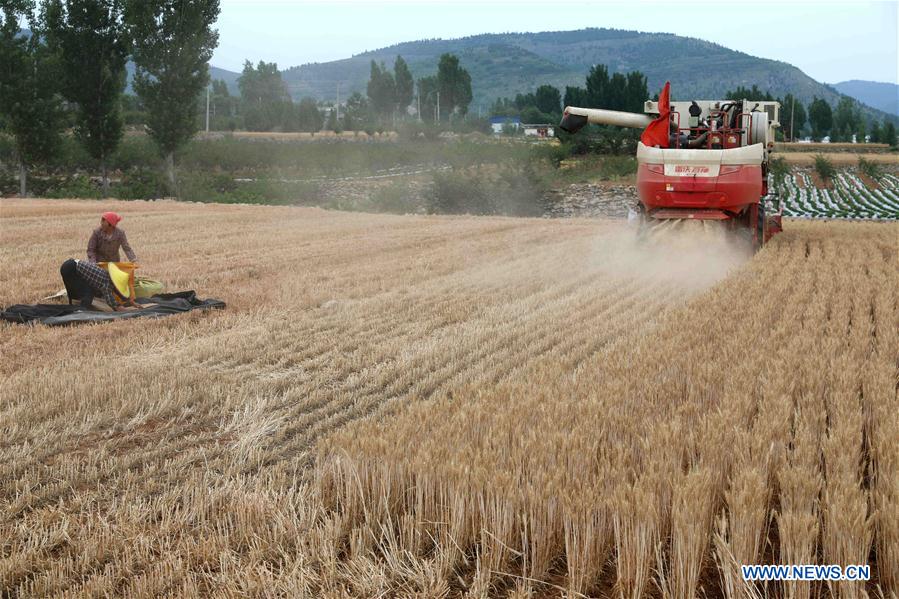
(850,198)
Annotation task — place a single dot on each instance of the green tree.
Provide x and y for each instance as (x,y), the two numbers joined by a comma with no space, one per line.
(617,92)
(357,113)
(754,93)
(636,92)
(333,123)
(453,85)
(575,96)
(876,133)
(427,97)
(548,99)
(792,116)
(172,42)
(223,107)
(889,134)
(598,82)
(861,127)
(381,90)
(503,107)
(523,101)
(309,116)
(92,44)
(821,118)
(405,86)
(30,104)
(264,97)
(532,114)
(843,120)
(133,112)
(262,84)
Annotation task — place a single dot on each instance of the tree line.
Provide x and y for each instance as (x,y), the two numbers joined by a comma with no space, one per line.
(628,92)
(839,124)
(392,94)
(70,70)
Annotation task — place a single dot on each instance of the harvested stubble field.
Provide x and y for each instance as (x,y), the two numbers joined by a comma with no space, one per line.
(448,406)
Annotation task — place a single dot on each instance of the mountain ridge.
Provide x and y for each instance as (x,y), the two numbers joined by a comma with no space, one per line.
(877,94)
(504,64)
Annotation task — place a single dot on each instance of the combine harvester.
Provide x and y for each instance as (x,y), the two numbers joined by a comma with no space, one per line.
(705,160)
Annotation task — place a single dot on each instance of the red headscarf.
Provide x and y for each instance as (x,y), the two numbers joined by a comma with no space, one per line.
(656,133)
(112,218)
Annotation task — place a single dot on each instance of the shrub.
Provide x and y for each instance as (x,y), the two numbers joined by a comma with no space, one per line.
(205,187)
(779,169)
(611,167)
(824,167)
(77,186)
(519,192)
(141,184)
(872,169)
(397,198)
(459,193)
(135,152)
(513,191)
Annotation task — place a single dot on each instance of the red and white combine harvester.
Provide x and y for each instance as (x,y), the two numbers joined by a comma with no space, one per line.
(705,160)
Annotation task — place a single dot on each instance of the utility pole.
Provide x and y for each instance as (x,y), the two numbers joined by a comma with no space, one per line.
(338,102)
(437,118)
(207,109)
(418,112)
(792,112)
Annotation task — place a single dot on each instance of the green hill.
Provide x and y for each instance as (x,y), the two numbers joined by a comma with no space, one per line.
(510,63)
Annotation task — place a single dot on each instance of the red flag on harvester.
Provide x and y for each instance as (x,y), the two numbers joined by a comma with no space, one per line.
(656,132)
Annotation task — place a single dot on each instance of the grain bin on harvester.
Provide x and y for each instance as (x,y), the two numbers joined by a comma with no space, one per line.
(704,160)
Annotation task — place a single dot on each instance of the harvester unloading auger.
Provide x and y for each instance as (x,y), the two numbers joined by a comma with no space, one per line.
(714,168)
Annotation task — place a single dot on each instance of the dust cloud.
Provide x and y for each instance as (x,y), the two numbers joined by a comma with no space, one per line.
(685,257)
(692,255)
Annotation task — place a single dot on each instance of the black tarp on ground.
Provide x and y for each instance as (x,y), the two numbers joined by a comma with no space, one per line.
(61,314)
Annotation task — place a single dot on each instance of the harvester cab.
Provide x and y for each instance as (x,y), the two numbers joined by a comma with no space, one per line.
(712,166)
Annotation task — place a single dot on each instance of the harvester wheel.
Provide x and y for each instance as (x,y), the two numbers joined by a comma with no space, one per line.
(637,219)
(760,233)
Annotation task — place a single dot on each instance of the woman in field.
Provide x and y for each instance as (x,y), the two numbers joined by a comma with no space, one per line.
(106,240)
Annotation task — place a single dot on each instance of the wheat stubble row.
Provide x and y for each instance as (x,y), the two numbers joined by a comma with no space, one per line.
(476,353)
(132,454)
(759,424)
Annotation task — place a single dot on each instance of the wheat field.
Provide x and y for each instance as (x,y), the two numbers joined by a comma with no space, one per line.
(424,406)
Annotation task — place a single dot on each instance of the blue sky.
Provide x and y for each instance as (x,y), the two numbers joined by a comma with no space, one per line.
(831,41)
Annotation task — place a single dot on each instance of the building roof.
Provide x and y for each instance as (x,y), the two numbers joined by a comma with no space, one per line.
(499,120)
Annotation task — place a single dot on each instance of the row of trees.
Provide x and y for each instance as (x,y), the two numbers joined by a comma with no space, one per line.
(265,104)
(447,94)
(620,91)
(75,55)
(442,97)
(846,121)
(544,105)
(390,93)
(265,101)
(840,123)
(628,91)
